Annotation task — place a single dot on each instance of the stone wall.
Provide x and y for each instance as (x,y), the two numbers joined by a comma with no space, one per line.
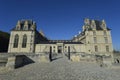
(3,59)
(76,57)
(15,60)
(116,58)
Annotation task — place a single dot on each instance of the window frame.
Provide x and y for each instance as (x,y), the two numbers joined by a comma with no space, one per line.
(24,41)
(16,41)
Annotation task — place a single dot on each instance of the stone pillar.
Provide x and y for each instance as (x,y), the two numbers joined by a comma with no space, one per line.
(11,62)
(69,52)
(50,54)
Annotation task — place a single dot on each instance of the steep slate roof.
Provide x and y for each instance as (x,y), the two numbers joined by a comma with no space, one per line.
(98,27)
(22,22)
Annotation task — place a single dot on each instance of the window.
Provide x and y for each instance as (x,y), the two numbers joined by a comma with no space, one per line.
(94,33)
(104,25)
(95,40)
(106,39)
(16,39)
(107,48)
(53,50)
(24,43)
(96,48)
(105,33)
(25,27)
(18,28)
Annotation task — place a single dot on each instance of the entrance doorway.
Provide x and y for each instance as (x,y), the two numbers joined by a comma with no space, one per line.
(59,49)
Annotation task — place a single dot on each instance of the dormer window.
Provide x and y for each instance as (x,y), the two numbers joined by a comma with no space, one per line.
(93,25)
(103,25)
(25,28)
(87,22)
(18,28)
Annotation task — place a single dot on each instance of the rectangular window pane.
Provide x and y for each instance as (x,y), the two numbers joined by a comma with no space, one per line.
(104,32)
(96,49)
(106,40)
(94,33)
(107,48)
(95,40)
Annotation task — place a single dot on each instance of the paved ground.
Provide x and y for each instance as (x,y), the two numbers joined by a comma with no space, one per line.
(62,69)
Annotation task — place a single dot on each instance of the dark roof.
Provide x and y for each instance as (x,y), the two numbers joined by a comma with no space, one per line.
(73,43)
(59,41)
(22,22)
(98,27)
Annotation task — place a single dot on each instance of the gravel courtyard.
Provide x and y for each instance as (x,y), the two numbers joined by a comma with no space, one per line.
(62,69)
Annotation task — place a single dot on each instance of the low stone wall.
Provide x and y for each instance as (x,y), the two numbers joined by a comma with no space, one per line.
(107,61)
(3,59)
(76,57)
(103,61)
(116,58)
(15,60)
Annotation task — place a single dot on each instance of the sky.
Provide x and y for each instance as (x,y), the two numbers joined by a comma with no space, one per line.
(61,19)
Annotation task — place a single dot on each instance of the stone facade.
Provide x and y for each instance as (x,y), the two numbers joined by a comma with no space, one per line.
(95,38)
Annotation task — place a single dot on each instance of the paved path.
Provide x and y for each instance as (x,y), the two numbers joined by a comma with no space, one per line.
(62,69)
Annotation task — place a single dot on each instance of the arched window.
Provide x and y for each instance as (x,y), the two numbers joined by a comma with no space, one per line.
(16,39)
(24,43)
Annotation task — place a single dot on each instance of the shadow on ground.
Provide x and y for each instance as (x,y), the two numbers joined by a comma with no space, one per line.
(22,60)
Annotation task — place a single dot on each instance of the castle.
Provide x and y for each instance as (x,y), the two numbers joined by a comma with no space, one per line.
(95,38)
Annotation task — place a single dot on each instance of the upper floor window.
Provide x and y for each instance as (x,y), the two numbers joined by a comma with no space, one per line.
(16,39)
(107,48)
(24,43)
(104,32)
(96,48)
(95,40)
(106,39)
(94,33)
